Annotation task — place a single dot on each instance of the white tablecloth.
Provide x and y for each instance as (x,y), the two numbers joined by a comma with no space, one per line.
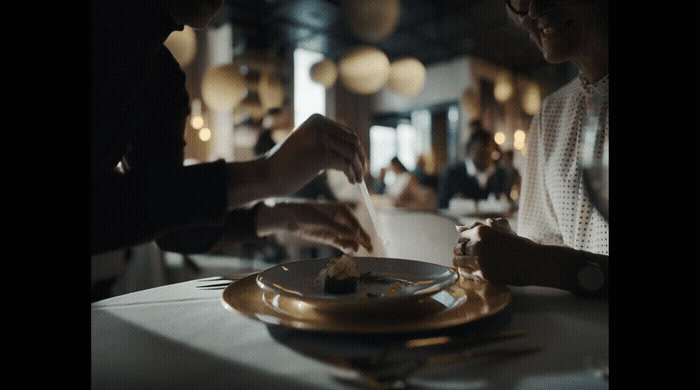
(181,337)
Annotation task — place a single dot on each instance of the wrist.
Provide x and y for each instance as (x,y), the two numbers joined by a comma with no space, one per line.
(557,266)
(577,271)
(248,181)
(273,216)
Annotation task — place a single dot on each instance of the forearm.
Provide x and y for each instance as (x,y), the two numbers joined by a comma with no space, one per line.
(249,181)
(238,226)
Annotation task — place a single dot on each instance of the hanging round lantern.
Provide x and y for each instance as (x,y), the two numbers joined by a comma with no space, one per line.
(532,99)
(407,76)
(223,87)
(471,103)
(364,70)
(270,90)
(371,20)
(324,72)
(182,45)
(503,88)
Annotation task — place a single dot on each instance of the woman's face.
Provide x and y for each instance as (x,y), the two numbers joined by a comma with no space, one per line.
(481,154)
(566,30)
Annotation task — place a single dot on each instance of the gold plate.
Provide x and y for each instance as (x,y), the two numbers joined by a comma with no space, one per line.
(482,299)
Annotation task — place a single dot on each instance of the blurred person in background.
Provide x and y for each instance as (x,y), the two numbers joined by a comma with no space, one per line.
(562,240)
(476,126)
(142,191)
(421,171)
(513,178)
(477,176)
(405,191)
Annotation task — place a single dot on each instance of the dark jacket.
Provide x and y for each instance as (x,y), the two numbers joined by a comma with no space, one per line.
(455,179)
(139,108)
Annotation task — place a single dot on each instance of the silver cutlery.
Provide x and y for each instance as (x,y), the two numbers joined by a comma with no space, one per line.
(221,282)
(392,365)
(395,375)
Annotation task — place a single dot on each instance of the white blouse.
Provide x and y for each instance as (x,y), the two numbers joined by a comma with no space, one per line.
(554,208)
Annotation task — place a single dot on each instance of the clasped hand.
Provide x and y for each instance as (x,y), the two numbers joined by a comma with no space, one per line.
(493,251)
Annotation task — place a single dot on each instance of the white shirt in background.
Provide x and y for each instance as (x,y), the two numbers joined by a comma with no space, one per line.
(481,177)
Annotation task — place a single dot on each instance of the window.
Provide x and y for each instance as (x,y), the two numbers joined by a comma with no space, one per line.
(382,148)
(387,143)
(309,96)
(406,145)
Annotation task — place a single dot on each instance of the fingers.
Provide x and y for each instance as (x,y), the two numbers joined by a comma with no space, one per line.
(344,143)
(500,223)
(343,216)
(365,240)
(339,225)
(468,263)
(467,227)
(347,159)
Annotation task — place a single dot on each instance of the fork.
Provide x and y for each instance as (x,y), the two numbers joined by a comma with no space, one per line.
(392,365)
(223,281)
(383,376)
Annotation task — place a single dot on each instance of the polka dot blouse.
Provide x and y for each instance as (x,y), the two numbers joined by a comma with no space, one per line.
(554,208)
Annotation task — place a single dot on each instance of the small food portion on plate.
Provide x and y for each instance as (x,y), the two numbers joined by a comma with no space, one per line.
(341,275)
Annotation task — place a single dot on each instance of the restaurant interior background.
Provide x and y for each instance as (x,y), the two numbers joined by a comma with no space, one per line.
(408,83)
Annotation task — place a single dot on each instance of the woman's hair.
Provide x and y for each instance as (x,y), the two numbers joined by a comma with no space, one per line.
(481,136)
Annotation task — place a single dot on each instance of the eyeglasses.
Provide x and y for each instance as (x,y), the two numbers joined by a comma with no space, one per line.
(521,7)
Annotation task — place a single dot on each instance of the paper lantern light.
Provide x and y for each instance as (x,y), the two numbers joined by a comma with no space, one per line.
(324,72)
(532,99)
(503,88)
(371,20)
(182,45)
(223,87)
(364,70)
(406,76)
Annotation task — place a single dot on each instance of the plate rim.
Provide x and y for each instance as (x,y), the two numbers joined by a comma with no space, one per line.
(450,318)
(350,300)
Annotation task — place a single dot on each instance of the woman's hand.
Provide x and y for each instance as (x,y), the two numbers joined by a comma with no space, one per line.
(317,144)
(495,252)
(327,223)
